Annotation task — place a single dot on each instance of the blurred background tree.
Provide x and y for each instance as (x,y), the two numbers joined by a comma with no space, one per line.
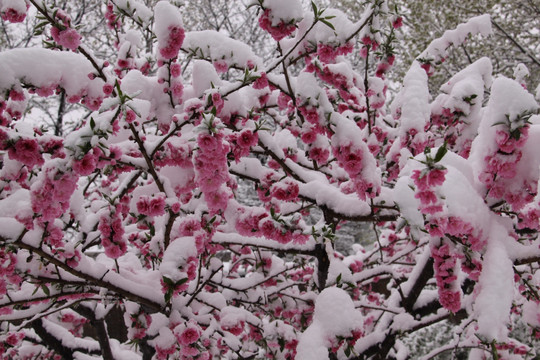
(515,39)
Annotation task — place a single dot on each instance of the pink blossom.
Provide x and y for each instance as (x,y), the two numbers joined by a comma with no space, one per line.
(279,31)
(112,235)
(309,137)
(69,38)
(221,66)
(319,155)
(261,82)
(93,103)
(86,165)
(450,300)
(175,69)
(268,228)
(246,138)
(174,43)
(13,15)
(397,23)
(326,53)
(16,95)
(151,205)
(26,151)
(189,336)
(108,89)
(189,226)
(286,190)
(436,177)
(216,200)
(432,209)
(426,197)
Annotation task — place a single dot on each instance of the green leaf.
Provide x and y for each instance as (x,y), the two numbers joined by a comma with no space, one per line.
(45,290)
(281,343)
(167,281)
(92,123)
(314,7)
(440,153)
(168,296)
(181,281)
(338,279)
(327,23)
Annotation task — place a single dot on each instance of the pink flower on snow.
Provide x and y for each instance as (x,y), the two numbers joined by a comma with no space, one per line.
(221,66)
(151,206)
(208,143)
(216,200)
(261,82)
(13,15)
(450,300)
(174,43)
(247,138)
(86,165)
(279,31)
(70,39)
(436,177)
(27,152)
(189,336)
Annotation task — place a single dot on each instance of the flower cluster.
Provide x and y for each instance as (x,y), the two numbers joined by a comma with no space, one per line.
(86,165)
(26,151)
(112,234)
(258,222)
(211,170)
(426,182)
(241,143)
(50,197)
(138,323)
(327,53)
(8,274)
(169,49)
(278,31)
(113,22)
(351,158)
(500,168)
(14,11)
(285,190)
(444,266)
(74,322)
(151,205)
(63,34)
(175,153)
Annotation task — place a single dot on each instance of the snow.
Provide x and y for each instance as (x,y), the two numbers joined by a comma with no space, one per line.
(215,46)
(67,339)
(438,49)
(284,10)
(176,255)
(45,68)
(166,17)
(334,315)
(165,339)
(11,228)
(204,76)
(232,315)
(320,33)
(18,5)
(413,101)
(328,195)
(496,283)
(137,9)
(508,99)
